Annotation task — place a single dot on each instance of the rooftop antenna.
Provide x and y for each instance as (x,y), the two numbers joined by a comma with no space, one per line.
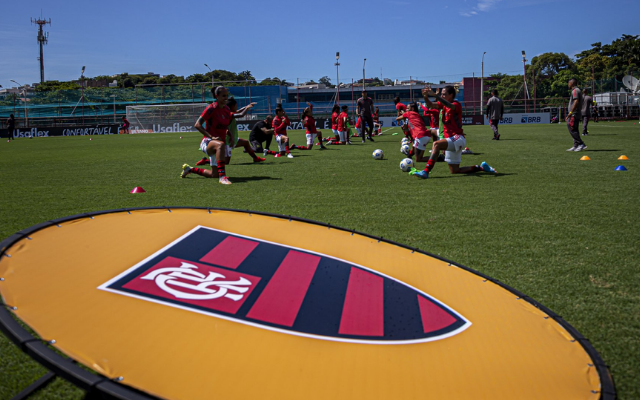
(43,38)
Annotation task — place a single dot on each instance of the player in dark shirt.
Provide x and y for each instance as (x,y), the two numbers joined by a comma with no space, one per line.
(261,132)
(11,125)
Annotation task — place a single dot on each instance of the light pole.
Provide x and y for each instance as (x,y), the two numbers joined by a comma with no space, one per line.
(337,64)
(524,76)
(482,84)
(24,100)
(82,91)
(211,73)
(363,64)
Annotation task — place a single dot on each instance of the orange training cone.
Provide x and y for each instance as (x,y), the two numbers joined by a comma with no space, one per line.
(138,189)
(585,158)
(623,157)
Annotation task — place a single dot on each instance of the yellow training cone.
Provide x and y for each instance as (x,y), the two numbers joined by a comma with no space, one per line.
(623,157)
(584,158)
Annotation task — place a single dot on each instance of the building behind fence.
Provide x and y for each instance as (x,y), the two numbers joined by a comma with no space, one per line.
(91,106)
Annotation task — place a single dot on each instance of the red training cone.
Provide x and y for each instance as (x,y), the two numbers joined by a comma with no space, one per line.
(138,189)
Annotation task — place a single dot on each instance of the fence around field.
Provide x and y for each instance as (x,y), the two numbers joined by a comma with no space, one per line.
(92,106)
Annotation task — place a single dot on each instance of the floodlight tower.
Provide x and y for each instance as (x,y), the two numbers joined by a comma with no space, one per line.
(43,38)
(524,76)
(337,64)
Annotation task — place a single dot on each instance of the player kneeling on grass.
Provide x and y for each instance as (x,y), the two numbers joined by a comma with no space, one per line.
(280,123)
(454,141)
(233,138)
(213,124)
(421,135)
(310,123)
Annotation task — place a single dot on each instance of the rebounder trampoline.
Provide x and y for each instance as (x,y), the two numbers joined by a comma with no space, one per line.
(191,303)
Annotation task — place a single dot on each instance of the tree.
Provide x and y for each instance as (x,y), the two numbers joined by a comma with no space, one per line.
(197,78)
(549,64)
(325,80)
(56,85)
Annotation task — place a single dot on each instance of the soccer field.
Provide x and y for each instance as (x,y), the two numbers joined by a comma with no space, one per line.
(561,230)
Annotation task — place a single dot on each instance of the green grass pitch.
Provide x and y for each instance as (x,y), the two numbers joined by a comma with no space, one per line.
(560,230)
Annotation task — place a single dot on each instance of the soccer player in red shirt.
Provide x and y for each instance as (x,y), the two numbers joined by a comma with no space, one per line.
(343,121)
(377,127)
(454,140)
(421,135)
(335,111)
(358,127)
(280,123)
(125,125)
(310,123)
(216,119)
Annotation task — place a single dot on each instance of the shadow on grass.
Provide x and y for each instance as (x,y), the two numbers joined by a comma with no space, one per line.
(596,150)
(472,175)
(252,178)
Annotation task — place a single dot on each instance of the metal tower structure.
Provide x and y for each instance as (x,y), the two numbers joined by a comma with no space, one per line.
(43,38)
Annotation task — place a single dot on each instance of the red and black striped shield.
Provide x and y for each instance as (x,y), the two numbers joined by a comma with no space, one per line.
(286,289)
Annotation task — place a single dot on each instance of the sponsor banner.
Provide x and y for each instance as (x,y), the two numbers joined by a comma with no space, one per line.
(473,120)
(60,131)
(527,118)
(134,131)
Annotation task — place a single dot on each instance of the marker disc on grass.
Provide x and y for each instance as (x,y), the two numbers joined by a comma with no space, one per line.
(188,303)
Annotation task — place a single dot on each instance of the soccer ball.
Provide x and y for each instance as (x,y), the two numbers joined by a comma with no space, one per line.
(405,149)
(406,165)
(405,140)
(378,154)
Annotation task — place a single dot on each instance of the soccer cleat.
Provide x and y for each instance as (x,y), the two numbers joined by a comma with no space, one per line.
(186,170)
(204,161)
(370,138)
(258,159)
(421,174)
(224,180)
(289,155)
(413,171)
(487,168)
(581,147)
(277,155)
(265,152)
(293,147)
(498,137)
(363,141)
(572,149)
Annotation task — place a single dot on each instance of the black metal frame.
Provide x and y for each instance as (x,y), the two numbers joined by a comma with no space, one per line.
(102,387)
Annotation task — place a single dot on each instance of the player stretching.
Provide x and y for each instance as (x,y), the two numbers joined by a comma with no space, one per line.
(216,119)
(280,123)
(377,127)
(312,132)
(343,125)
(454,141)
(421,135)
(335,111)
(233,138)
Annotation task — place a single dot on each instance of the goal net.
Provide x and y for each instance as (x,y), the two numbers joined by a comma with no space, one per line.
(164,118)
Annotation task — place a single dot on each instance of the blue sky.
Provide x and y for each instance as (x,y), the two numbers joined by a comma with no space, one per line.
(430,40)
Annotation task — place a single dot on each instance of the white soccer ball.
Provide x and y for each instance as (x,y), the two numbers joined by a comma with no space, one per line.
(405,140)
(378,154)
(406,165)
(405,149)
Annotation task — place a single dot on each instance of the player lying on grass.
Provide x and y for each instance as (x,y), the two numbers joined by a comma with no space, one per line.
(310,123)
(419,131)
(280,123)
(214,124)
(454,141)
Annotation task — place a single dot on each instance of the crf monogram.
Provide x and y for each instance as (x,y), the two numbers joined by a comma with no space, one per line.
(171,279)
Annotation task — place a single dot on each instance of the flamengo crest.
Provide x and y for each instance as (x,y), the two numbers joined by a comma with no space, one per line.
(286,289)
